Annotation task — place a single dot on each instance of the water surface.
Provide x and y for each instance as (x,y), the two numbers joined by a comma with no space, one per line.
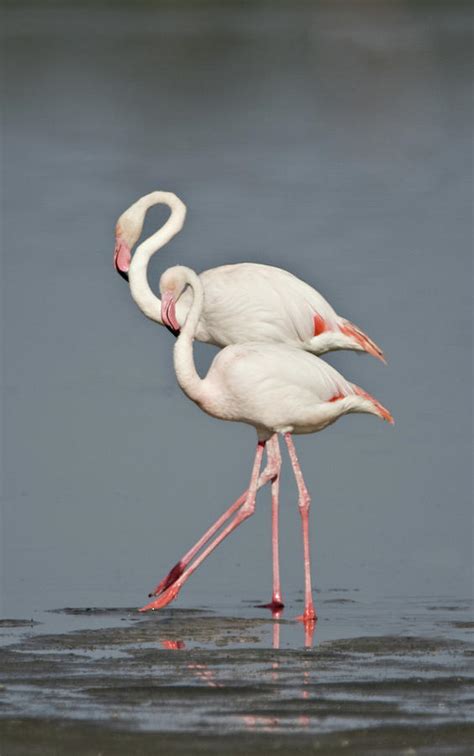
(369,676)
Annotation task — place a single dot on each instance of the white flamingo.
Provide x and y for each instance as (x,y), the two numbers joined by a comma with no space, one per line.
(244,302)
(276,388)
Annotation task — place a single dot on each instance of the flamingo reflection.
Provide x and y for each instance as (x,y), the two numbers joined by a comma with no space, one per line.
(252,722)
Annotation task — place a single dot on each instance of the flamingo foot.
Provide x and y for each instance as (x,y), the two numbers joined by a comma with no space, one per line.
(171,578)
(166,598)
(309,616)
(275,605)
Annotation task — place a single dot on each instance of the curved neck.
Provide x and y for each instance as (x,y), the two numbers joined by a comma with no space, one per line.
(140,289)
(186,373)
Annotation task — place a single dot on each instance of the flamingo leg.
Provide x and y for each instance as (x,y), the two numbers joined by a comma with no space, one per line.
(269,474)
(274,456)
(304,502)
(247,509)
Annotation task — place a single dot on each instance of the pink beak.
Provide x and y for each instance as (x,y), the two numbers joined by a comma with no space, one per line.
(122,258)
(168,313)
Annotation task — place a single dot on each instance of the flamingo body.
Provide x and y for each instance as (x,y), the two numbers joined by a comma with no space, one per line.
(243,302)
(254,302)
(278,388)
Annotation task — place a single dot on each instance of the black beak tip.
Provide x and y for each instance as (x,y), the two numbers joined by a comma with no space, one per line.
(123,274)
(172,330)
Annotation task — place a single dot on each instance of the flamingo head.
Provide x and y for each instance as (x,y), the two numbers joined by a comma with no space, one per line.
(172,284)
(127,232)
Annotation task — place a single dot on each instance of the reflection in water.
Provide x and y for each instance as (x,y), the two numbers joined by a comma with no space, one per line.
(205,674)
(276,635)
(234,674)
(202,671)
(174,645)
(309,628)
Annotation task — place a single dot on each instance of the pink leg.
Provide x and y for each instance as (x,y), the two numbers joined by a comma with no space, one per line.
(276,604)
(304,502)
(180,566)
(178,569)
(245,511)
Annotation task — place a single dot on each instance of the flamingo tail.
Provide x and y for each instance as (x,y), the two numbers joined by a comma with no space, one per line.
(366,343)
(382,411)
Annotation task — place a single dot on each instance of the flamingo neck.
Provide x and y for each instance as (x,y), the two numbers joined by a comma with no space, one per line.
(140,289)
(185,368)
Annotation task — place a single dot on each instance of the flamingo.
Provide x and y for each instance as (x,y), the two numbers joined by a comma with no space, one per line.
(243,303)
(277,389)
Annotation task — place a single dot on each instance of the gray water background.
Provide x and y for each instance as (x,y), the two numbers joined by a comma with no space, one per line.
(329,139)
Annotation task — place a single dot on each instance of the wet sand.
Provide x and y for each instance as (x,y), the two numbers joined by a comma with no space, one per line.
(191,681)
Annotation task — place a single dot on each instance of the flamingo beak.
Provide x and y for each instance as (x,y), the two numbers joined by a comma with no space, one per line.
(168,313)
(122,258)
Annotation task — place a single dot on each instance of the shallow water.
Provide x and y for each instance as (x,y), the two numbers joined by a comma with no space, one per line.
(369,676)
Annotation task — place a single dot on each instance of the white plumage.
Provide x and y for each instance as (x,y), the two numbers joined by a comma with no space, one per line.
(243,302)
(276,388)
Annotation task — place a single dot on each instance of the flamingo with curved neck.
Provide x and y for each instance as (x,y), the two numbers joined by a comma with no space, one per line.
(244,302)
(127,232)
(275,388)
